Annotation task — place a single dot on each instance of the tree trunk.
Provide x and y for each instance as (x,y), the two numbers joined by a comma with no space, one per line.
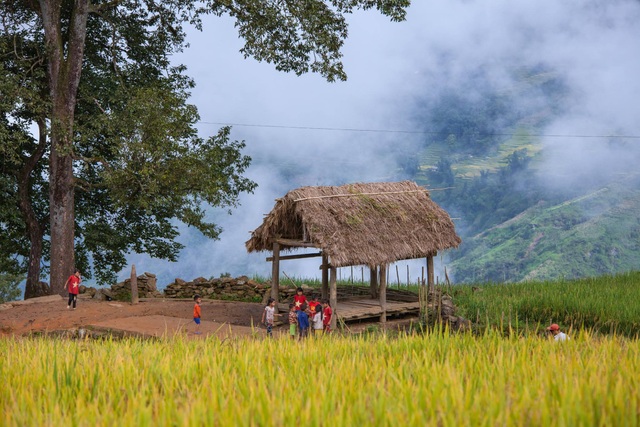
(64,78)
(61,201)
(35,230)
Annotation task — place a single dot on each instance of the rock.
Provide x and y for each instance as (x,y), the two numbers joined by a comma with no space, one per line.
(107,294)
(48,298)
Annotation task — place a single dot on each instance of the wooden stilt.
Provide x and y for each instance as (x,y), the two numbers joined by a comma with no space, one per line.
(383,294)
(134,285)
(430,274)
(325,277)
(373,282)
(275,274)
(333,297)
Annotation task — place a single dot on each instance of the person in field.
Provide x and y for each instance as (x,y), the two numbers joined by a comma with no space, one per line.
(317,319)
(73,285)
(303,321)
(554,330)
(326,317)
(268,316)
(197,313)
(299,298)
(293,321)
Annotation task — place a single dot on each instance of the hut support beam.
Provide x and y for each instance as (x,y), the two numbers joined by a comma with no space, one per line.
(383,294)
(373,282)
(275,274)
(430,274)
(325,277)
(333,297)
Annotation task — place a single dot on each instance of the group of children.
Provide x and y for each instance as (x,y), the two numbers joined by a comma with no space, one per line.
(303,316)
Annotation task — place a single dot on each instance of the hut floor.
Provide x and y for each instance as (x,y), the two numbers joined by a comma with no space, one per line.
(366,308)
(358,309)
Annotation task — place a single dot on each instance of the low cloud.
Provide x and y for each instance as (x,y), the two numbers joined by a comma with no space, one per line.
(590,45)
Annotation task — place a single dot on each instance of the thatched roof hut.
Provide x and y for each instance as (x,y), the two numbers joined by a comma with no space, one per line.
(358,224)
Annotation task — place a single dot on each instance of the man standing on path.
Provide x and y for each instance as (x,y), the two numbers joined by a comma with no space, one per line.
(73,284)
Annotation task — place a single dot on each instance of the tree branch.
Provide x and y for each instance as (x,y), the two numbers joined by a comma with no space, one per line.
(98,8)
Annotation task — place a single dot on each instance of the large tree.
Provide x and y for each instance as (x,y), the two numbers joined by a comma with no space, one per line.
(113,123)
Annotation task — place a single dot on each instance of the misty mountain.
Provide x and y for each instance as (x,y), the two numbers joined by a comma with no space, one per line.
(487,163)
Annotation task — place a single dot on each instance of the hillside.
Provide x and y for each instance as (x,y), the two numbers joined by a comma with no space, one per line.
(521,216)
(597,233)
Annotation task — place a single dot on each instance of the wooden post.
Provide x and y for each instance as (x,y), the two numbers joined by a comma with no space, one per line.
(333,297)
(373,282)
(325,277)
(398,276)
(408,278)
(383,293)
(275,274)
(134,285)
(430,274)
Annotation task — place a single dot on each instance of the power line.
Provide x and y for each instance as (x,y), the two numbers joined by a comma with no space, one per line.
(423,132)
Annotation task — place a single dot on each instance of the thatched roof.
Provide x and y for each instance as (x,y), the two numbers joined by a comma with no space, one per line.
(359,224)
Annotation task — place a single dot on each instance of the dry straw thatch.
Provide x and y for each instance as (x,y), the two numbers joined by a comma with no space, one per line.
(359,224)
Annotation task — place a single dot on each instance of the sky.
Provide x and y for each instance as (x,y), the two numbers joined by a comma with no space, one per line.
(330,133)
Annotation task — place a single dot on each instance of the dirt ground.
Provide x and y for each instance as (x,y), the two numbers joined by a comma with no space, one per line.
(150,317)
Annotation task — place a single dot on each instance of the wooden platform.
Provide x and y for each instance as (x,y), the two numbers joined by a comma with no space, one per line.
(357,309)
(360,309)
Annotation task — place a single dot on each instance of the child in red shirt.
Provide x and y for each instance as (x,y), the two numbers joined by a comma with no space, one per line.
(196,313)
(326,320)
(299,298)
(73,285)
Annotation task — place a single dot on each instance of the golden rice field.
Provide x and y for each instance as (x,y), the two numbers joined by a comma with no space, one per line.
(433,379)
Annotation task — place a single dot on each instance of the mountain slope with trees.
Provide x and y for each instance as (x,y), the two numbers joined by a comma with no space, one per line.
(484,162)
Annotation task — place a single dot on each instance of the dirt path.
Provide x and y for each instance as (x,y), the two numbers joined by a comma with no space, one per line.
(151,317)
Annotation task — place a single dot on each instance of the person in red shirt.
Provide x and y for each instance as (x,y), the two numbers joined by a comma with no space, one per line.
(312,306)
(197,313)
(73,285)
(326,319)
(299,299)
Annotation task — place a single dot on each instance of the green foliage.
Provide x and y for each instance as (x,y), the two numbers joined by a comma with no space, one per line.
(599,303)
(9,290)
(300,37)
(138,161)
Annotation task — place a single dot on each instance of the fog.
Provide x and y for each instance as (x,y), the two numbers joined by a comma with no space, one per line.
(304,131)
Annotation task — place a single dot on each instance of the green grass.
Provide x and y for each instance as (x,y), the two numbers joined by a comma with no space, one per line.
(605,304)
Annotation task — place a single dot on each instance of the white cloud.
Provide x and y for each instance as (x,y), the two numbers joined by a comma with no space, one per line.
(591,44)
